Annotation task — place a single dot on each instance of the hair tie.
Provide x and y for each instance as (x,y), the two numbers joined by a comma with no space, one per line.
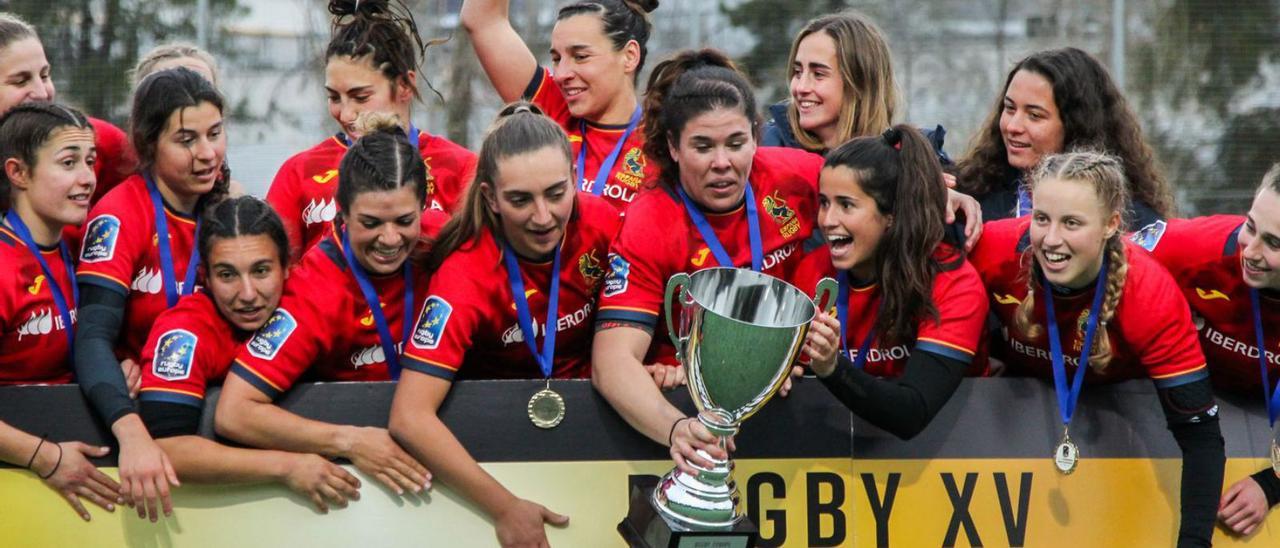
(893,138)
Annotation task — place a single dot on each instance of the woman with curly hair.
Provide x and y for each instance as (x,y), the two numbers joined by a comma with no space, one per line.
(1053,101)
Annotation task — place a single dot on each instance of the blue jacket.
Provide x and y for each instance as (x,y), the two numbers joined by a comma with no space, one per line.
(777,132)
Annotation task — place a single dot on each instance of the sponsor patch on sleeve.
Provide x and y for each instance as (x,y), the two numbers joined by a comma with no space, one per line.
(1149,236)
(616,281)
(100,239)
(431,321)
(266,343)
(175,352)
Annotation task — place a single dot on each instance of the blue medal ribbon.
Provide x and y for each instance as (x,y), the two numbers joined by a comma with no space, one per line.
(1068,395)
(545,356)
(1024,199)
(59,299)
(389,345)
(171,290)
(606,167)
(842,312)
(709,235)
(1271,396)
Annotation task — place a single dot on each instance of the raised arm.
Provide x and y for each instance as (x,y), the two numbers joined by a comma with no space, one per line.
(505,57)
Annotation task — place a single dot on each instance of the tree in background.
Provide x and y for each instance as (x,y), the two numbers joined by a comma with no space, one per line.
(774,23)
(92,44)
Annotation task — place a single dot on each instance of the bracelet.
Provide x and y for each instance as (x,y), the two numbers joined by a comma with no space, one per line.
(56,464)
(672,433)
(36,452)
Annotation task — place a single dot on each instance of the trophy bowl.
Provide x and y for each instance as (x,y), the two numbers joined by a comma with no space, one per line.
(737,333)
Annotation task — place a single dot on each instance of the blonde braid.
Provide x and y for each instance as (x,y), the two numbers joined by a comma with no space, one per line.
(1117,271)
(1022,316)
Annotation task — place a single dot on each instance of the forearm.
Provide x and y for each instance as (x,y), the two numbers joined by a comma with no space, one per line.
(267,426)
(17,447)
(903,406)
(97,371)
(1193,419)
(430,442)
(202,460)
(621,378)
(476,13)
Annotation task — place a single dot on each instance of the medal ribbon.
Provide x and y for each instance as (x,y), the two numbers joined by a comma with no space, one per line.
(171,290)
(1024,199)
(842,312)
(709,235)
(1271,396)
(543,357)
(59,299)
(606,167)
(1069,394)
(375,306)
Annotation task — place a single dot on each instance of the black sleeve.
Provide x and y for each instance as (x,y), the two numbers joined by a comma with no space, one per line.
(902,406)
(1270,484)
(1192,415)
(165,419)
(534,83)
(101,312)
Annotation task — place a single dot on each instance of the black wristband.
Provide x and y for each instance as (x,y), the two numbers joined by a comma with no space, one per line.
(672,433)
(32,460)
(1270,484)
(56,464)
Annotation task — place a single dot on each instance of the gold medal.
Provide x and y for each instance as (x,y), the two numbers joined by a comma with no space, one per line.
(1275,456)
(1067,455)
(546,408)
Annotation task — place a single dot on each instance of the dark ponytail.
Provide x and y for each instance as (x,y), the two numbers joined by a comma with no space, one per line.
(622,21)
(382,29)
(381,160)
(690,84)
(899,170)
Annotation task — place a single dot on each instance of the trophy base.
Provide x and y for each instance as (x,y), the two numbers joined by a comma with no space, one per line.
(644,527)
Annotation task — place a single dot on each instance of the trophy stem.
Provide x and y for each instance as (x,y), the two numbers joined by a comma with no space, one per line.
(708,500)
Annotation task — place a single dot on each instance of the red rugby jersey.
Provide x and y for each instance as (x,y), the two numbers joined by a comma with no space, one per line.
(323,325)
(305,189)
(1151,333)
(190,346)
(121,252)
(467,326)
(659,239)
(631,172)
(1204,258)
(961,301)
(33,339)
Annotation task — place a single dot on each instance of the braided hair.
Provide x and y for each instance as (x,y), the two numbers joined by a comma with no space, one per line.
(381,160)
(1106,174)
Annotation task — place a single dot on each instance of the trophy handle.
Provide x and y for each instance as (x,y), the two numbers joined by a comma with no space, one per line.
(827,290)
(678,280)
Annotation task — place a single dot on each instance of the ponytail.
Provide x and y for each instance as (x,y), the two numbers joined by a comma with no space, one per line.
(900,172)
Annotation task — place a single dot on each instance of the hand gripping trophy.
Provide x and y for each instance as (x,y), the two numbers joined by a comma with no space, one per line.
(737,334)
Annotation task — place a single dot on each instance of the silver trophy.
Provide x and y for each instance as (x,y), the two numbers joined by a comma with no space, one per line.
(737,333)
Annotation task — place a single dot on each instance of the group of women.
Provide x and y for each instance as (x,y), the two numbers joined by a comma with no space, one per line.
(387,253)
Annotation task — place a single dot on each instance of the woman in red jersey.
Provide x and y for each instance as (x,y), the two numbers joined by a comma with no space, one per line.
(25,76)
(720,201)
(344,314)
(371,65)
(191,346)
(138,257)
(910,309)
(514,297)
(47,151)
(1068,266)
(1226,266)
(597,50)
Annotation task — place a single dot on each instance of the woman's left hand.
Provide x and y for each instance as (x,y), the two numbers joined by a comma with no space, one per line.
(822,344)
